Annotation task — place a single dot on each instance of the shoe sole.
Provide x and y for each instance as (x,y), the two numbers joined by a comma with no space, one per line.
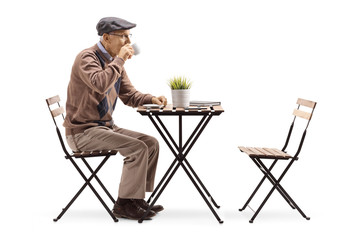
(128,217)
(158,210)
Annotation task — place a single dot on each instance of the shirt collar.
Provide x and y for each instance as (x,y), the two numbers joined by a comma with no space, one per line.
(103,50)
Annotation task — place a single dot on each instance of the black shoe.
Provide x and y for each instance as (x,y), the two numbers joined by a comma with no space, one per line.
(144,205)
(131,210)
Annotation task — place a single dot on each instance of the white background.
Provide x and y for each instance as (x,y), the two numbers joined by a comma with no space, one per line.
(256,57)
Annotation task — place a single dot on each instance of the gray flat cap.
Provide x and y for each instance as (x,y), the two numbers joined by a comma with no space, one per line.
(109,24)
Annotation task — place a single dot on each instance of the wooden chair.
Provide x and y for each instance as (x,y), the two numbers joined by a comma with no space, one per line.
(59,110)
(256,154)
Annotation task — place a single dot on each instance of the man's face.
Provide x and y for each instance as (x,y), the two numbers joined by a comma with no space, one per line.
(116,40)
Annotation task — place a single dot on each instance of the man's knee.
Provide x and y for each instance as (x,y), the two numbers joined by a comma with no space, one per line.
(134,147)
(152,143)
(141,146)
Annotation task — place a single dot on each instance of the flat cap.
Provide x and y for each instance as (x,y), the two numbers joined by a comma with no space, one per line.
(109,24)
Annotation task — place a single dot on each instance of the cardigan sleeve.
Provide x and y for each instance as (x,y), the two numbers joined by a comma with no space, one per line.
(89,69)
(129,95)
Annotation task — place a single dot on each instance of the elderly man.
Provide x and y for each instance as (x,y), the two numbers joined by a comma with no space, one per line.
(98,77)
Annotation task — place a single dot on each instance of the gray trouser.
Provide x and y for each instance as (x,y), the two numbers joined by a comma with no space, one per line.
(140,151)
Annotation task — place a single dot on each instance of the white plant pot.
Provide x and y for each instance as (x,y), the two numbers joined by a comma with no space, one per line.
(181,98)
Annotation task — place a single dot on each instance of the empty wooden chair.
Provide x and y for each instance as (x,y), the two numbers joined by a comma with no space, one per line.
(257,154)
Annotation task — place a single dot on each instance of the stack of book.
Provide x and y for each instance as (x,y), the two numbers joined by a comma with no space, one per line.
(204,103)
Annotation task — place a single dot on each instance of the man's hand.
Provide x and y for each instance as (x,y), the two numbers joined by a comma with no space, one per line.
(159,100)
(126,52)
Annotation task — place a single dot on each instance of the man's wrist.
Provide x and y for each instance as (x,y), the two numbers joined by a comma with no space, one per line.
(122,61)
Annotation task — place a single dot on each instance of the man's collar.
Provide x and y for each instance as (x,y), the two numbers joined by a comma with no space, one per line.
(103,51)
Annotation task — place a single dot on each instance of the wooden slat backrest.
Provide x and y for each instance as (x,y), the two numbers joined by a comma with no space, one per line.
(301,113)
(53,100)
(56,112)
(306,103)
(59,110)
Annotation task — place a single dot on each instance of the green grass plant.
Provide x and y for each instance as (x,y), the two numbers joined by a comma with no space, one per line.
(177,83)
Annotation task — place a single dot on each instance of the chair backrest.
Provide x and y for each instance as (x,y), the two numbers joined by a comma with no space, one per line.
(57,111)
(302,114)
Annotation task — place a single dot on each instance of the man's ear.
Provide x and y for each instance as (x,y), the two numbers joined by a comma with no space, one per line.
(106,38)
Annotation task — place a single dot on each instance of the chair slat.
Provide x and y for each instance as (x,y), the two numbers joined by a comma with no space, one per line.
(94,153)
(274,153)
(270,152)
(56,112)
(254,151)
(281,153)
(265,153)
(306,103)
(53,100)
(302,114)
(250,151)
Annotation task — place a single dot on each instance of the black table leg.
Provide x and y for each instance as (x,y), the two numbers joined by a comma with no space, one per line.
(189,141)
(180,157)
(187,171)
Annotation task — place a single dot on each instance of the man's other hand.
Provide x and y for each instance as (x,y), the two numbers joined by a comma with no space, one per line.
(159,100)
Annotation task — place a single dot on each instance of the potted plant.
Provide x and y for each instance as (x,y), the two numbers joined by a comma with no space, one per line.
(180,91)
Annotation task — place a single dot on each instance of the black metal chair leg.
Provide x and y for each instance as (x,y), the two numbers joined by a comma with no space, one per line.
(98,180)
(271,191)
(76,196)
(268,174)
(103,203)
(267,197)
(253,194)
(87,182)
(70,203)
(272,179)
(277,185)
(257,187)
(262,205)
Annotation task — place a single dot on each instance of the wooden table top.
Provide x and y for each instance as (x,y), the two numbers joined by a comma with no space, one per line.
(170,110)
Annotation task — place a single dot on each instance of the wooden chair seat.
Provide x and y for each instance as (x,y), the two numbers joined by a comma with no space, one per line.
(87,154)
(271,153)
